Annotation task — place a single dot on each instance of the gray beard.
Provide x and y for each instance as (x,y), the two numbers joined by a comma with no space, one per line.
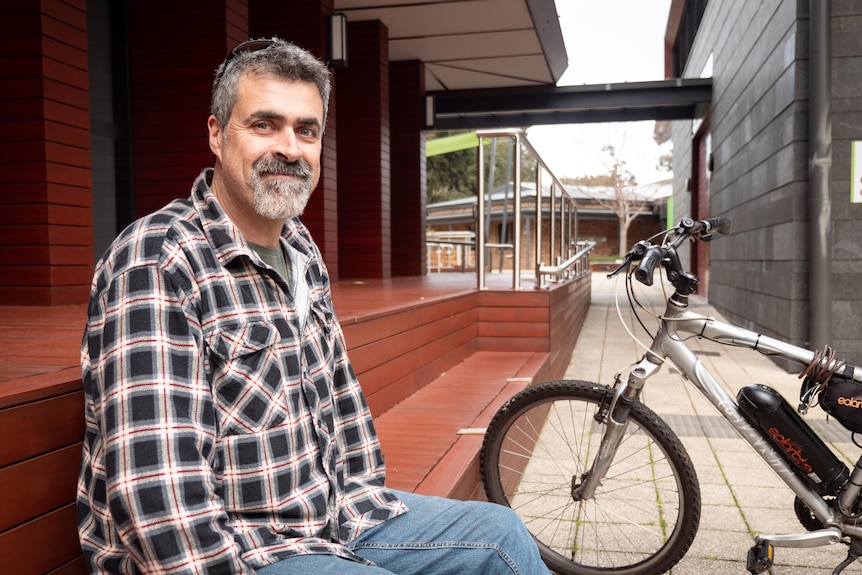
(277,199)
(280,200)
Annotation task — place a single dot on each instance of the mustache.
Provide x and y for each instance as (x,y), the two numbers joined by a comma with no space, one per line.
(299,168)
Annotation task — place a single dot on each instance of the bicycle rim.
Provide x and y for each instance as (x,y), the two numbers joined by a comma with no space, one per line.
(642,518)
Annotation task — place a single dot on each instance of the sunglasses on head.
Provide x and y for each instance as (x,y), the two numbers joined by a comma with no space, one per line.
(244,48)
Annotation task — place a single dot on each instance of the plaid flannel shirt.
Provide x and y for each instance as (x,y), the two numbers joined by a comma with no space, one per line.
(225,427)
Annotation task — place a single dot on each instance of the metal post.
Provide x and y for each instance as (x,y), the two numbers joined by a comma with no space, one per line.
(552,216)
(504,218)
(820,236)
(480,219)
(564,212)
(516,224)
(537,259)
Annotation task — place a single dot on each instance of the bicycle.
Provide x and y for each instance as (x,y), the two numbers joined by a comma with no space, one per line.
(606,486)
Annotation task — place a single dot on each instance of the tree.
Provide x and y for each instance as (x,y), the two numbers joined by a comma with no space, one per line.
(455,175)
(451,176)
(621,200)
(665,162)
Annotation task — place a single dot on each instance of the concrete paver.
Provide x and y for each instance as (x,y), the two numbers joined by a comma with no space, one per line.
(741,495)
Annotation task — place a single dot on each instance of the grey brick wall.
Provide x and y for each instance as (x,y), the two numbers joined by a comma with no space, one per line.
(759,126)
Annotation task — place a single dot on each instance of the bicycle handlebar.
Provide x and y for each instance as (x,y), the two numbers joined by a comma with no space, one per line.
(651,255)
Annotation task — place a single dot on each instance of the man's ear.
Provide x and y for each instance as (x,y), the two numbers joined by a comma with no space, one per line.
(215,136)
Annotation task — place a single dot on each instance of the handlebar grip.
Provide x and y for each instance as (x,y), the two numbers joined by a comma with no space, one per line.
(720,225)
(646,268)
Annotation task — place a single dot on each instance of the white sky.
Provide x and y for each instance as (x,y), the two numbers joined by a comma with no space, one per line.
(607,41)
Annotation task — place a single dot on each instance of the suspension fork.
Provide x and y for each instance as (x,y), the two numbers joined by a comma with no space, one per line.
(615,419)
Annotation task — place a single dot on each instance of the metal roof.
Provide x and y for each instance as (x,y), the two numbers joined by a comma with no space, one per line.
(589,201)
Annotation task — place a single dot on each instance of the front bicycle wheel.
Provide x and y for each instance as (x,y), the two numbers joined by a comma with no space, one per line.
(643,517)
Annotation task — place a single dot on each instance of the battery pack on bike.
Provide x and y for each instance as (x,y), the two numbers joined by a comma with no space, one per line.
(842,399)
(765,409)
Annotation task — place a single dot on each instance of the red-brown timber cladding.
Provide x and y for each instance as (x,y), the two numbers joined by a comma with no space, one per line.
(407,112)
(364,225)
(303,22)
(172,63)
(45,183)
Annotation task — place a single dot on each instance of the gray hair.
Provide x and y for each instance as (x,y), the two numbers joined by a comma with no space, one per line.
(268,56)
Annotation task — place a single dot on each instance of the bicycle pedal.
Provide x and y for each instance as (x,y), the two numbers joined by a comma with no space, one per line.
(760,557)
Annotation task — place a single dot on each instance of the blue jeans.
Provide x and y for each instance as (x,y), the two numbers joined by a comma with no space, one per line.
(436,537)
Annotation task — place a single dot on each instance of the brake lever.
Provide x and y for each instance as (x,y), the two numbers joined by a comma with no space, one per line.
(638,250)
(626,262)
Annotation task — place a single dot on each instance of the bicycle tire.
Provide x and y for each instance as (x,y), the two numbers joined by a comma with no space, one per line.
(644,516)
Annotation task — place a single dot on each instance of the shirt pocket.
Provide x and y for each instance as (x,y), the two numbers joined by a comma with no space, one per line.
(246,376)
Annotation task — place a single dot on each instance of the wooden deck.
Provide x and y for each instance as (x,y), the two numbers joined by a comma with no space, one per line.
(435,356)
(402,334)
(43,339)
(36,340)
(40,345)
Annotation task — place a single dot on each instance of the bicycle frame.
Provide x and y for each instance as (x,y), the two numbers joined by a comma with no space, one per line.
(667,344)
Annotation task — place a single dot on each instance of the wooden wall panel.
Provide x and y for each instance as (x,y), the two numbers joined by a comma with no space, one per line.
(45,159)
(172,63)
(303,22)
(42,426)
(568,308)
(24,549)
(38,475)
(364,204)
(39,485)
(407,113)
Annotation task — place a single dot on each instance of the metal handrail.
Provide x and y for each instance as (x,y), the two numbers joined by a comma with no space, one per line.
(580,263)
(462,247)
(562,220)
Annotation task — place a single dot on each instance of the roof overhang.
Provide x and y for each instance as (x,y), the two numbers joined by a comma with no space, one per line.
(495,64)
(673,99)
(471,44)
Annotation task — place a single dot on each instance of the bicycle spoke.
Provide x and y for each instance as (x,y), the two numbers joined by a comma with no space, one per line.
(636,509)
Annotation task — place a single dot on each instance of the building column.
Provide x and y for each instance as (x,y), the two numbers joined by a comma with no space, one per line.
(304,22)
(407,113)
(171,69)
(364,224)
(46,225)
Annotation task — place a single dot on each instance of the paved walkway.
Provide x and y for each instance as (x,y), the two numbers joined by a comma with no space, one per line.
(741,495)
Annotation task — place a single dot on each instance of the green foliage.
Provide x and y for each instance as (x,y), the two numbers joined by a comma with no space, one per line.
(455,175)
(451,176)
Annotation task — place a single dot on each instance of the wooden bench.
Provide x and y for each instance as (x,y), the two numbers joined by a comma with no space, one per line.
(42,426)
(432,439)
(423,438)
